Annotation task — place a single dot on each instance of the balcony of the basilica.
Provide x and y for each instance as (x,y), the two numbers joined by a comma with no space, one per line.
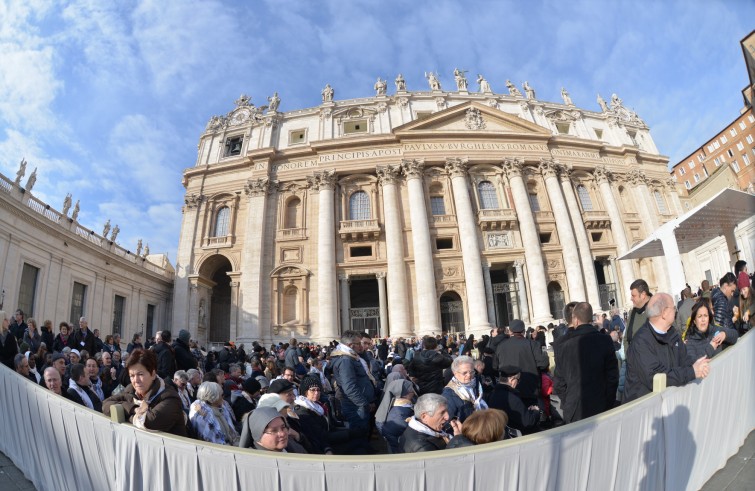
(214,242)
(444,221)
(596,219)
(544,216)
(496,219)
(297,233)
(359,229)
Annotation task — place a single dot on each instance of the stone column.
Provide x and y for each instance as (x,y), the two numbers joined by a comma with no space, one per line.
(428,310)
(677,278)
(489,292)
(382,302)
(647,208)
(326,255)
(254,280)
(470,248)
(674,194)
(235,307)
(522,289)
(398,296)
(574,280)
(345,302)
(531,242)
(602,176)
(583,242)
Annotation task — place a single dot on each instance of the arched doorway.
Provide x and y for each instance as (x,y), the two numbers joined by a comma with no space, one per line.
(451,313)
(556,299)
(219,315)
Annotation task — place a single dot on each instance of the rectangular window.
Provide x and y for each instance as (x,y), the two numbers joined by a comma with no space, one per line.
(596,236)
(749,138)
(359,126)
(687,185)
(705,171)
(534,203)
(735,166)
(444,243)
(296,137)
(563,128)
(710,148)
(724,139)
(700,157)
(422,115)
(717,161)
(27,290)
(746,159)
(633,137)
(150,322)
(751,118)
(545,237)
(682,171)
(78,300)
(697,177)
(691,164)
(716,145)
(360,251)
(742,125)
(740,146)
(233,145)
(733,132)
(730,153)
(598,133)
(437,205)
(118,303)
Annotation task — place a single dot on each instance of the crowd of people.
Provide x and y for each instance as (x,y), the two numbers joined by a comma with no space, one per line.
(360,395)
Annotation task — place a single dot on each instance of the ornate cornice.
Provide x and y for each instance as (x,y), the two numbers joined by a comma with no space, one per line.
(456,167)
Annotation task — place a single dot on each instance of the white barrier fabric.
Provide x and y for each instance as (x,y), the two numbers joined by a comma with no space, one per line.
(673,440)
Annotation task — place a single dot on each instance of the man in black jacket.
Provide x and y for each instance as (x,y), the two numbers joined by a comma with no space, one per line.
(658,348)
(506,397)
(166,358)
(427,367)
(184,359)
(83,339)
(526,355)
(586,375)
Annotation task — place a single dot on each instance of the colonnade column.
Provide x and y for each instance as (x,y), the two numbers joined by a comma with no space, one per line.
(397,321)
(580,233)
(488,292)
(524,310)
(383,304)
(650,221)
(345,302)
(569,249)
(470,248)
(325,183)
(602,176)
(531,242)
(428,311)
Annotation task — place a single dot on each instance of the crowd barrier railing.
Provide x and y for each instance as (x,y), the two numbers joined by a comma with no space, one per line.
(672,440)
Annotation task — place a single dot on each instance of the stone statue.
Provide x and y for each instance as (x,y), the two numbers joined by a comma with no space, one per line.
(328,93)
(273,103)
(214,123)
(461,79)
(565,96)
(32,180)
(200,317)
(106,229)
(602,104)
(139,247)
(67,204)
(484,85)
(432,79)
(116,230)
(76,209)
(512,89)
(400,83)
(615,101)
(243,100)
(381,87)
(528,90)
(21,172)
(146,250)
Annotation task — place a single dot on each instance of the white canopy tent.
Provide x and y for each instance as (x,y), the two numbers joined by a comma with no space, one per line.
(718,216)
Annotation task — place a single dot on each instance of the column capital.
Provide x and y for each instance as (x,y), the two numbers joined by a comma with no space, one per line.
(380,275)
(456,167)
(193,200)
(548,167)
(413,168)
(388,174)
(564,172)
(513,167)
(259,187)
(344,277)
(602,174)
(636,177)
(325,179)
(518,264)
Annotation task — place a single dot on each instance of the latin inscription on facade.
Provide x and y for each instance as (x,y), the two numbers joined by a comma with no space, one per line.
(578,154)
(451,146)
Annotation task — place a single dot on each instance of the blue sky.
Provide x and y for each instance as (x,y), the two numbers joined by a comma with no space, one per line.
(108,99)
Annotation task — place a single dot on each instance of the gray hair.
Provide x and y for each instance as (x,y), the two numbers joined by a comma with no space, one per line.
(82,319)
(191,372)
(209,392)
(51,370)
(461,360)
(657,303)
(182,375)
(350,337)
(428,404)
(18,359)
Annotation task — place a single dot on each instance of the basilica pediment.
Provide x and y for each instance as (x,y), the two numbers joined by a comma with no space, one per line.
(471,117)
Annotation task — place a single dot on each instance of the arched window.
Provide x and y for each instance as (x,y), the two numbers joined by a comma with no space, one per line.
(488,198)
(290,300)
(359,206)
(291,219)
(584,198)
(222,218)
(660,202)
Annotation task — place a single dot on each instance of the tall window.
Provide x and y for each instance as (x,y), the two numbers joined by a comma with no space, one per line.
(437,205)
(290,301)
(28,288)
(118,304)
(150,322)
(534,202)
(359,206)
(584,198)
(488,198)
(660,202)
(78,298)
(292,213)
(221,222)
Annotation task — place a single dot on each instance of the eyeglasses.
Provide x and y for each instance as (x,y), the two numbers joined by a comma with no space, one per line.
(277,431)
